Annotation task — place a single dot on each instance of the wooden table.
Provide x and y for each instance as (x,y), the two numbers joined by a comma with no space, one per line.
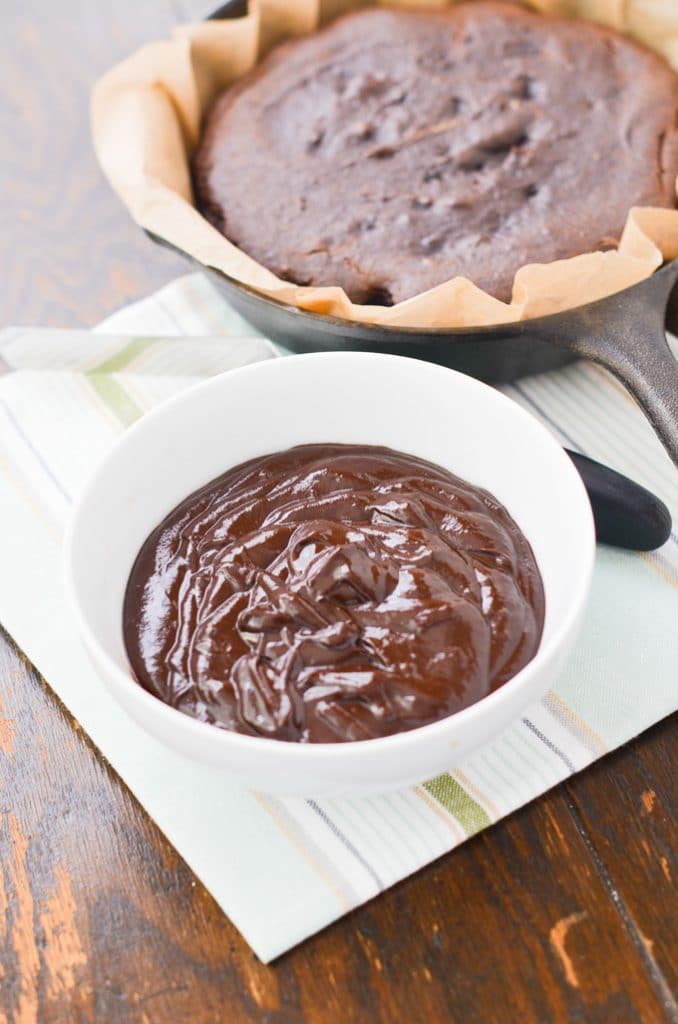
(564,912)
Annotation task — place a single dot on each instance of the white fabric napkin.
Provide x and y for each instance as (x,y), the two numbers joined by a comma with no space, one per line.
(283,868)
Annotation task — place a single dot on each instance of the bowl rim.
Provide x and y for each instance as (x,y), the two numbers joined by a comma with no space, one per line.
(326,752)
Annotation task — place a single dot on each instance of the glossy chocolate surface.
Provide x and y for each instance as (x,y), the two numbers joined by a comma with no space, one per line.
(331,593)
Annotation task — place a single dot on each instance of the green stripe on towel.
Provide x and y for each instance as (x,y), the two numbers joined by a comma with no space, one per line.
(113,394)
(454,798)
(120,360)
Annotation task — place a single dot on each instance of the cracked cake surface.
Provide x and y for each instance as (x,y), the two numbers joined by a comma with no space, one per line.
(394,150)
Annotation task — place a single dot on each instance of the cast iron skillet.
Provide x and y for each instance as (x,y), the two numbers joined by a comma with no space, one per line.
(624,333)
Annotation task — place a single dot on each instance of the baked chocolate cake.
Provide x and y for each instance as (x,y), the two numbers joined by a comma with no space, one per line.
(394,150)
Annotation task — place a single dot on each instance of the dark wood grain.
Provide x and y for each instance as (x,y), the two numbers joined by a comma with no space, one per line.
(565,912)
(69,254)
(103,921)
(626,809)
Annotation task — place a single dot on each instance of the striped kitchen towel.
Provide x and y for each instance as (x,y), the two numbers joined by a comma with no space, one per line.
(284,868)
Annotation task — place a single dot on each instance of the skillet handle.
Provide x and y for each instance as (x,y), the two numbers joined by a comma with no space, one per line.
(650,372)
(626,515)
(625,333)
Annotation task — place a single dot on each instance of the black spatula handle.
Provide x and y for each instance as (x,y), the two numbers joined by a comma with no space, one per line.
(626,515)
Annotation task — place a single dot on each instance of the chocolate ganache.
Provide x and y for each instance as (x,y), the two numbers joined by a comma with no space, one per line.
(329,593)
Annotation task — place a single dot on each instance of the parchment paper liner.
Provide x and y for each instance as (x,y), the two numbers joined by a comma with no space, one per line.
(146,117)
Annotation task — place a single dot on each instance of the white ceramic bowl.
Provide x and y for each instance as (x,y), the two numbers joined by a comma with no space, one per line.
(412,406)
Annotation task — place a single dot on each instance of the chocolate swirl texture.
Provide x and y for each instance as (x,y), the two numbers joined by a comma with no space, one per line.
(331,593)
